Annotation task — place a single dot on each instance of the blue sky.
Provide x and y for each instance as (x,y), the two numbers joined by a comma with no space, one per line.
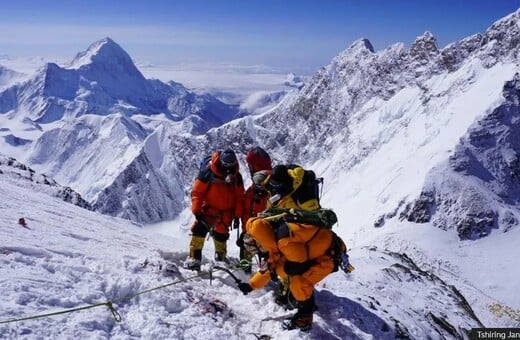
(287,34)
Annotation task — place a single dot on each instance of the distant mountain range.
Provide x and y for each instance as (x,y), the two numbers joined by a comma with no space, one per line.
(424,126)
(419,148)
(103,80)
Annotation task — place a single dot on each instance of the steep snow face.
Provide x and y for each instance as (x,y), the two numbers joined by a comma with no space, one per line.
(142,192)
(117,164)
(104,80)
(106,54)
(480,190)
(88,152)
(392,145)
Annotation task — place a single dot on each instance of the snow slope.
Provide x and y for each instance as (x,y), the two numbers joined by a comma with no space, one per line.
(68,258)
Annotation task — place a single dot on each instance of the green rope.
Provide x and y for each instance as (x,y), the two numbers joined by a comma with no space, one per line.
(108,304)
(57,313)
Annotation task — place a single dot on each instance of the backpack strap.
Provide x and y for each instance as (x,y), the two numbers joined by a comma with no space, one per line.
(309,241)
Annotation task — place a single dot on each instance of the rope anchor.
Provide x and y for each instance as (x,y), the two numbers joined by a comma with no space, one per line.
(115,313)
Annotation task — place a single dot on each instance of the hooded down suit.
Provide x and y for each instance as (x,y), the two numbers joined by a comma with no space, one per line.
(216,199)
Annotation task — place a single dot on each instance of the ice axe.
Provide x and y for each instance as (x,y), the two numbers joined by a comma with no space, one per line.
(237,280)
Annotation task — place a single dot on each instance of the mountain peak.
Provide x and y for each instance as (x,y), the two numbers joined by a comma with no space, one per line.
(427,37)
(105,51)
(363,44)
(424,46)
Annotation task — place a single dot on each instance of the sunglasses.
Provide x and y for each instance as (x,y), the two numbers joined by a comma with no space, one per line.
(274,186)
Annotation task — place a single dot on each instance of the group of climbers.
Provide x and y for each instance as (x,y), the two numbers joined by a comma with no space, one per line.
(296,252)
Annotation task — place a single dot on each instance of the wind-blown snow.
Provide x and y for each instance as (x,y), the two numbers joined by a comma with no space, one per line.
(8,77)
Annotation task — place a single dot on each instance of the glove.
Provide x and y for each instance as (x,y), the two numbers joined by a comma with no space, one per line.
(236,223)
(202,222)
(345,263)
(245,287)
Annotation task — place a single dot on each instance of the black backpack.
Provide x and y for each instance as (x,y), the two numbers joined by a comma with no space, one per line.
(205,174)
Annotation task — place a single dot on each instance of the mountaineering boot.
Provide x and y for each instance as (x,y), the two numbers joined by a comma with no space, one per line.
(302,320)
(303,323)
(191,264)
(220,257)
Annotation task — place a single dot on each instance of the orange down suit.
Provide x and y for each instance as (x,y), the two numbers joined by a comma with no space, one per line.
(253,204)
(219,202)
(297,251)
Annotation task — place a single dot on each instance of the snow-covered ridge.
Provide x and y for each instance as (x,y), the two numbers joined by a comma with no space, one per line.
(14,171)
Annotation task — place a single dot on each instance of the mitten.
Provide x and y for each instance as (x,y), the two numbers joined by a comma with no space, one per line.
(245,287)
